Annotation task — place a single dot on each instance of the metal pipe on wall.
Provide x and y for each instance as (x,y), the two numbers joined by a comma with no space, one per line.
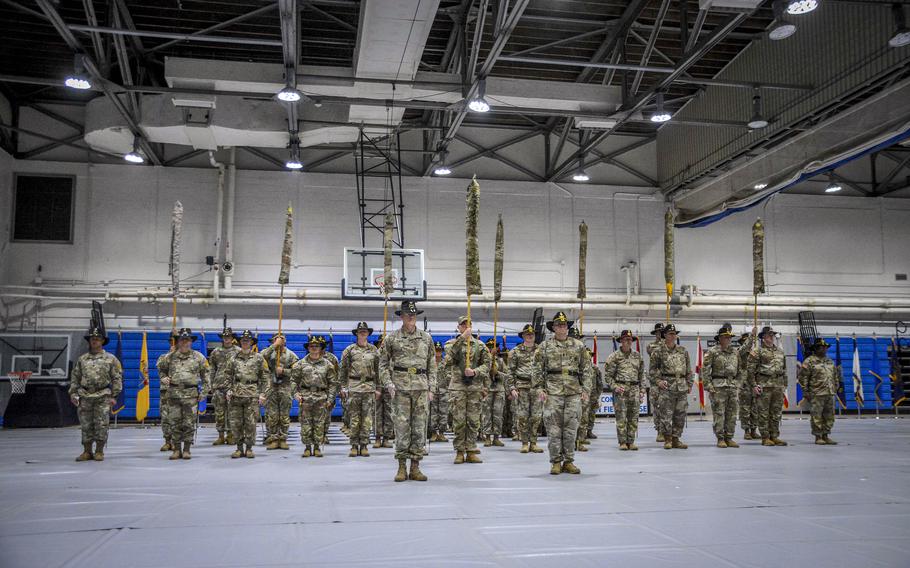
(231,200)
(219,218)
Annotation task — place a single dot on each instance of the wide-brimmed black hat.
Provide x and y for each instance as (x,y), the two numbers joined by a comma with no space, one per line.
(378,342)
(491,343)
(560,317)
(743,337)
(528,328)
(669,328)
(626,333)
(658,329)
(437,346)
(725,331)
(765,331)
(185,333)
(362,326)
(96,332)
(247,334)
(819,343)
(315,340)
(408,307)
(573,332)
(228,332)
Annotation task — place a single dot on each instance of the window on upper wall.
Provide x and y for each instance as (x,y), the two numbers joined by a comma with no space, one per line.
(43,208)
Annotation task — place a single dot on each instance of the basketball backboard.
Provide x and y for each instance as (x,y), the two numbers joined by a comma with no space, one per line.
(364,272)
(46,356)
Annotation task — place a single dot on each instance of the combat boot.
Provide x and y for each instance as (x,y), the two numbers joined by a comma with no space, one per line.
(591,435)
(442,437)
(377,443)
(386,443)
(186,450)
(829,441)
(584,441)
(660,438)
(777,441)
(623,447)
(166,447)
(238,453)
(677,443)
(402,471)
(86,453)
(747,435)
(524,448)
(273,445)
(99,452)
(555,468)
(580,447)
(488,441)
(364,451)
(632,447)
(283,445)
(220,440)
(354,452)
(175,453)
(569,467)
(416,474)
(668,444)
(497,442)
(721,443)
(249,452)
(317,453)
(766,442)
(325,440)
(459,458)
(731,443)
(755,434)
(230,439)
(307,452)
(535,449)
(473,458)
(516,438)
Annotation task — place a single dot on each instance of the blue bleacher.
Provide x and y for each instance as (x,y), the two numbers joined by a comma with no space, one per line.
(873,357)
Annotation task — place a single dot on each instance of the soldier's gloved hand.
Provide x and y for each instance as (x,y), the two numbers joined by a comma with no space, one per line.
(165,381)
(75,400)
(262,400)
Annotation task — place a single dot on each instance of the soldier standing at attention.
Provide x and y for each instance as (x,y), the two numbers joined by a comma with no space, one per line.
(671,371)
(163,398)
(96,381)
(624,374)
(654,391)
(248,378)
(278,393)
(524,367)
(218,360)
(315,383)
(494,405)
(469,384)
(768,368)
(597,387)
(359,379)
(384,430)
(439,408)
(582,434)
(719,371)
(562,386)
(819,378)
(407,368)
(331,358)
(185,369)
(748,400)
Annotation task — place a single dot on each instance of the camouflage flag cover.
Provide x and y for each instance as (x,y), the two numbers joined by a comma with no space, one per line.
(758,258)
(668,251)
(582,260)
(498,260)
(472,255)
(387,284)
(287,248)
(176,228)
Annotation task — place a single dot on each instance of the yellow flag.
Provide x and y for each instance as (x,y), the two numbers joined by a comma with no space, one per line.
(142,397)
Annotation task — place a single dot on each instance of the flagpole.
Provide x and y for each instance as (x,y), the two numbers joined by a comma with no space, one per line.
(859,411)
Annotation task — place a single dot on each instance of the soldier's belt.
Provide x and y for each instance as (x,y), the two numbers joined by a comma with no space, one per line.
(410,370)
(565,372)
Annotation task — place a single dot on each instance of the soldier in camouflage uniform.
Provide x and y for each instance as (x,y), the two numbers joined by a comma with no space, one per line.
(331,358)
(439,408)
(316,385)
(218,360)
(624,374)
(597,388)
(164,407)
(563,386)
(407,369)
(278,393)
(524,369)
(248,379)
(184,371)
(469,384)
(768,370)
(719,373)
(670,369)
(383,428)
(819,377)
(653,391)
(96,381)
(748,400)
(582,434)
(493,405)
(359,378)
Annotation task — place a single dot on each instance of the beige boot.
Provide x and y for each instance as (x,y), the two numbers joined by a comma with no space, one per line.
(354,452)
(402,470)
(660,438)
(386,443)
(487,442)
(249,453)
(569,467)
(668,444)
(623,447)
(166,447)
(766,442)
(230,439)
(186,450)
(535,449)
(731,443)
(377,443)
(678,444)
(580,447)
(238,453)
(175,453)
(459,458)
(555,468)
(317,453)
(829,441)
(721,443)
(99,452)
(283,445)
(220,441)
(497,442)
(778,442)
(632,447)
(416,474)
(307,452)
(364,451)
(86,452)
(524,448)
(747,435)
(273,445)
(473,458)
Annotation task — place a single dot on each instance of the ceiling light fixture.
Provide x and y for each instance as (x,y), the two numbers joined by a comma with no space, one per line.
(660,115)
(757,120)
(780,27)
(796,7)
(479,103)
(294,162)
(759,186)
(289,94)
(901,37)
(78,79)
(832,186)
(134,157)
(581,175)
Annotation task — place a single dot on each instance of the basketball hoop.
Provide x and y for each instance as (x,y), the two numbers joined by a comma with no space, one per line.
(18,381)
(380,280)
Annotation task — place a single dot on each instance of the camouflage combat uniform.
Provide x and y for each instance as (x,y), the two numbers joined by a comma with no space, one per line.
(164,403)
(653,391)
(95,380)
(408,361)
(565,375)
(439,409)
(673,366)
(589,409)
(316,382)
(524,366)
(248,377)
(278,393)
(626,370)
(719,373)
(819,379)
(360,376)
(218,360)
(748,400)
(186,371)
(466,393)
(768,369)
(493,406)
(328,355)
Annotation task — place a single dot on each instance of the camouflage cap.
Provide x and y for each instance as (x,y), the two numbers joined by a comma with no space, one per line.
(464,320)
